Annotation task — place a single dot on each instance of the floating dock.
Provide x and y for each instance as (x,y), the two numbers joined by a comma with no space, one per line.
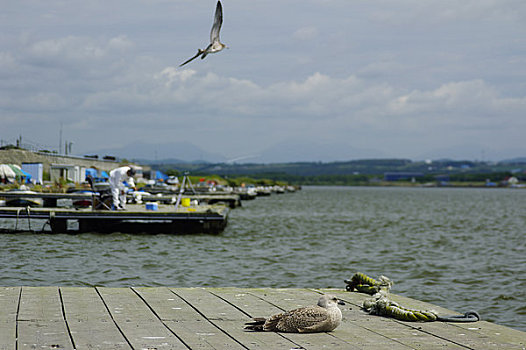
(232,200)
(213,318)
(51,199)
(135,219)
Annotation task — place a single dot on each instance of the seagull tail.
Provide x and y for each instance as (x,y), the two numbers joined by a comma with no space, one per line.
(199,52)
(256,324)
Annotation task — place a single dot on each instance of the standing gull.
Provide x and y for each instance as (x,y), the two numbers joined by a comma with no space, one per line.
(215,45)
(323,317)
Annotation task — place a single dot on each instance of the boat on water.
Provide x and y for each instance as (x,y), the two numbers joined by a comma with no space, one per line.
(84,202)
(21,201)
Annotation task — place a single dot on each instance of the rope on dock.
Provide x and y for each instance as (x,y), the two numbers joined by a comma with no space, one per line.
(385,307)
(365,284)
(381,305)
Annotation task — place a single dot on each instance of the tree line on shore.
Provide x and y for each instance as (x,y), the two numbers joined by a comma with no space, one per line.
(360,172)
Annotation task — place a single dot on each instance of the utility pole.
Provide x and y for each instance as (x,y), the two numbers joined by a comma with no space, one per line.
(67,147)
(60,140)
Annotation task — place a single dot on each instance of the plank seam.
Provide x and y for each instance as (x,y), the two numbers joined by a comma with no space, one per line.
(65,319)
(210,321)
(269,302)
(228,302)
(17,314)
(159,318)
(436,335)
(111,316)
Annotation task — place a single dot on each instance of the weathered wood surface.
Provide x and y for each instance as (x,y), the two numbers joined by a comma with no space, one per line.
(213,318)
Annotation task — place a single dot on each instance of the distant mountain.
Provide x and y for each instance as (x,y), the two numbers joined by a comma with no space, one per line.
(168,161)
(518,160)
(174,152)
(470,152)
(291,151)
(357,168)
(313,151)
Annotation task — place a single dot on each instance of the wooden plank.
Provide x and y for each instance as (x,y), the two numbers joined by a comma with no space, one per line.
(8,305)
(40,320)
(342,337)
(407,333)
(460,335)
(212,307)
(256,306)
(213,318)
(231,320)
(499,336)
(188,324)
(89,322)
(140,326)
(473,335)
(359,328)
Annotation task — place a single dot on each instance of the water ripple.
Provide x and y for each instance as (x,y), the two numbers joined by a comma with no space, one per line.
(459,248)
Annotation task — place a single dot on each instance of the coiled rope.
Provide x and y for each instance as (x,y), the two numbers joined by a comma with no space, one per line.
(365,284)
(383,306)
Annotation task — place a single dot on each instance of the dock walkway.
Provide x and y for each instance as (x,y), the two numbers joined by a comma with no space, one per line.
(51,199)
(136,219)
(213,318)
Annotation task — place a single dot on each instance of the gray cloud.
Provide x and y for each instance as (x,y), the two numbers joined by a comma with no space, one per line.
(400,77)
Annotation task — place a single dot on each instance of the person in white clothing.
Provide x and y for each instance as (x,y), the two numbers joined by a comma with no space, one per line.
(117,178)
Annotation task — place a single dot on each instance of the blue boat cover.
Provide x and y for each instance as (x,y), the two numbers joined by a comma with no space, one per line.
(159,175)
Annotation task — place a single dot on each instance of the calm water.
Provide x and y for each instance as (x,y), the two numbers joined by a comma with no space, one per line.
(459,248)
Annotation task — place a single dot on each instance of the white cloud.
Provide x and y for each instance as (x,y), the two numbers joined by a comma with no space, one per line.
(390,73)
(441,11)
(174,75)
(77,50)
(306,33)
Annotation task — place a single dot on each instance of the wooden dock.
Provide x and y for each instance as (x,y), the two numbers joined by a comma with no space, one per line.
(213,318)
(136,219)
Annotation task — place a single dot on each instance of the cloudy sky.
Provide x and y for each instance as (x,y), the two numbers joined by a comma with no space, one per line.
(302,79)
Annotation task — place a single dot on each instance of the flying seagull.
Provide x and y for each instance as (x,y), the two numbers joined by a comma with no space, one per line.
(323,317)
(215,45)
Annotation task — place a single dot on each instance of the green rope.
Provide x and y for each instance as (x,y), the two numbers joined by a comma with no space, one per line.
(389,308)
(382,306)
(365,284)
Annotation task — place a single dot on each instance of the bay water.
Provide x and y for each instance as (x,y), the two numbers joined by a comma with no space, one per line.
(463,249)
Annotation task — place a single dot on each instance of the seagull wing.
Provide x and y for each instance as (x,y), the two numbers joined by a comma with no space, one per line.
(199,52)
(307,319)
(218,21)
